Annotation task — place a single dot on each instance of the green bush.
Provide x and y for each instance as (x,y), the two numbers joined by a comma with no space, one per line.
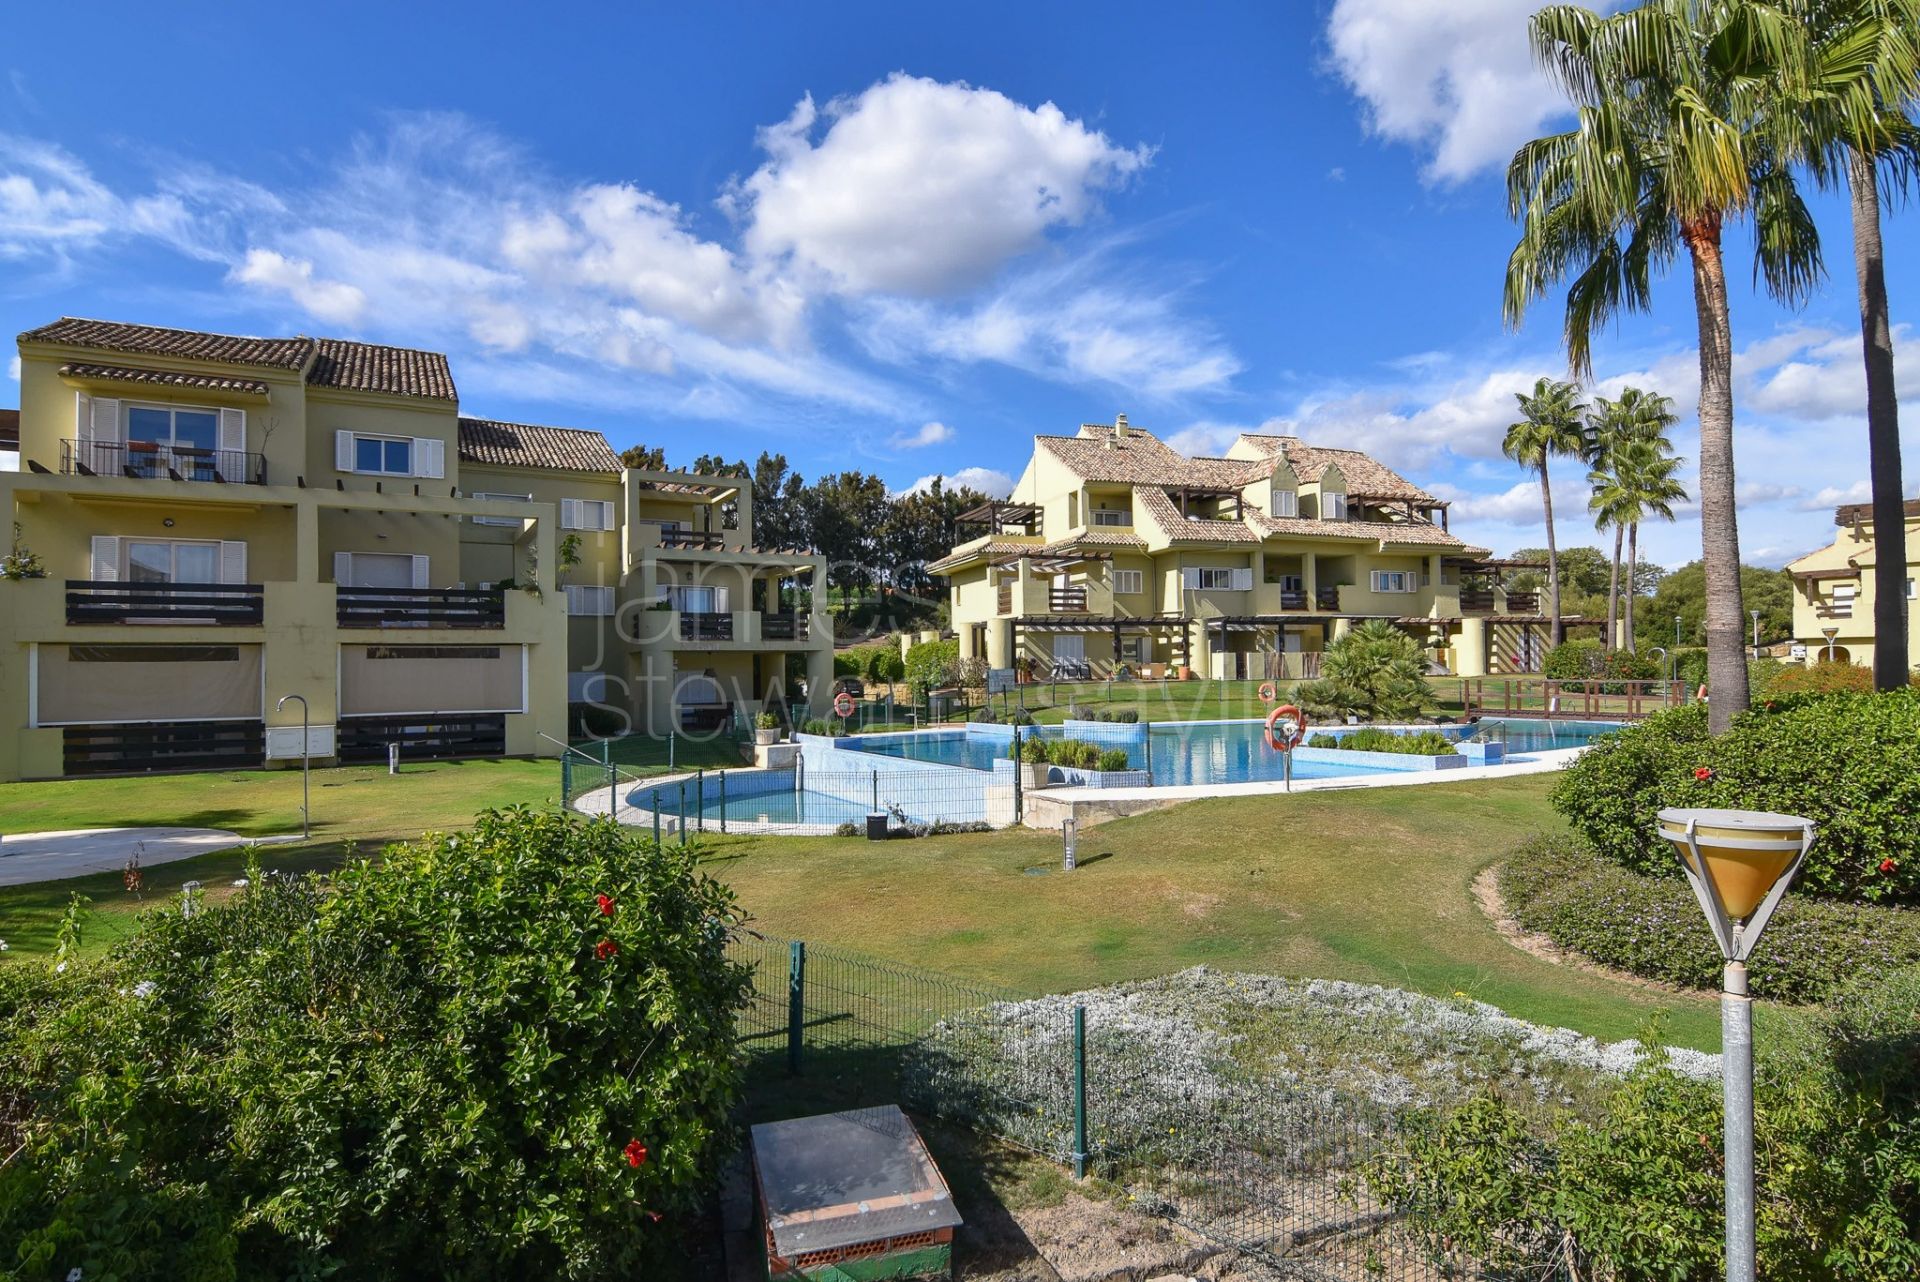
(1033,751)
(1850,763)
(1652,926)
(454,1059)
(884,664)
(1422,743)
(1114,759)
(932,665)
(1573,660)
(596,721)
(1374,671)
(1634,1190)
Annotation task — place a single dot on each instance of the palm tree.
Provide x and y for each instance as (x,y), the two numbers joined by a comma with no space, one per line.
(1861,69)
(1675,101)
(1611,425)
(1607,505)
(1553,423)
(1643,470)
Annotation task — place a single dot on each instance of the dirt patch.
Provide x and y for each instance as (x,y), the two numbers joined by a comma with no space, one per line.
(1084,1239)
(1486,893)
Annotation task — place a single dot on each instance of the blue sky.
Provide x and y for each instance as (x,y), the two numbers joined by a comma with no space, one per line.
(895,238)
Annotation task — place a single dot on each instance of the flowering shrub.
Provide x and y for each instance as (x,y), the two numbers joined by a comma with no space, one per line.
(1848,762)
(502,1053)
(1634,1190)
(1652,926)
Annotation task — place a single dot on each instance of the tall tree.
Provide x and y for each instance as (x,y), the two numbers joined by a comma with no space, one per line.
(1644,472)
(648,458)
(1677,133)
(1859,78)
(1552,425)
(1636,417)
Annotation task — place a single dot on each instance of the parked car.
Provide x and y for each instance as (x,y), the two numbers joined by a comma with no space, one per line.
(850,685)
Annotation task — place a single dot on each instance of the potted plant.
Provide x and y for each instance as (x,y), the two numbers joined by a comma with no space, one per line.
(1032,756)
(1023,670)
(766,729)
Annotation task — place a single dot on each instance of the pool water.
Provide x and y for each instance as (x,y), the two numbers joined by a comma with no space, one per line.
(1522,736)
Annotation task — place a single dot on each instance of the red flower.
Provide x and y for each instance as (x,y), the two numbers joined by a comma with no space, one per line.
(636,1153)
(1703,774)
(1887,865)
(606,905)
(605,949)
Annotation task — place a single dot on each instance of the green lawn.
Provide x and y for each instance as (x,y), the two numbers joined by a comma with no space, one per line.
(1372,885)
(354,806)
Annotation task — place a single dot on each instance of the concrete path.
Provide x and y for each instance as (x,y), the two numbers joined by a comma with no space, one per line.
(50,856)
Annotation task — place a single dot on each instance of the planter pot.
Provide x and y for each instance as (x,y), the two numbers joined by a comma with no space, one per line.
(1032,775)
(763,738)
(1186,673)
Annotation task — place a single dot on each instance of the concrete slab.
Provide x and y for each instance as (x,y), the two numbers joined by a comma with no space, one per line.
(50,856)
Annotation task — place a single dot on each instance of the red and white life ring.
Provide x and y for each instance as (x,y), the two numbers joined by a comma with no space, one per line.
(1291,734)
(843,704)
(1267,693)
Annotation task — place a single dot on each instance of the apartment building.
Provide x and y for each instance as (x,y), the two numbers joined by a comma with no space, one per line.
(1834,590)
(1113,548)
(228,525)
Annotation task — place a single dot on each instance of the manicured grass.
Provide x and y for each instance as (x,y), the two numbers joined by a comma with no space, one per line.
(354,807)
(1372,885)
(640,754)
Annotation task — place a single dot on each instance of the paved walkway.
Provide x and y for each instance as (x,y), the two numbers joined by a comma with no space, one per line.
(49,856)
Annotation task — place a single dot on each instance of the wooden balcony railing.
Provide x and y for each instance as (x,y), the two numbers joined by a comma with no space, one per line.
(1477,599)
(1835,610)
(1327,598)
(703,625)
(108,601)
(1006,598)
(145,461)
(1523,603)
(781,627)
(1067,600)
(420,607)
(1293,600)
(700,540)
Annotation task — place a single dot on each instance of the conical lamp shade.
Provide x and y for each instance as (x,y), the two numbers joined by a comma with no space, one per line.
(1744,852)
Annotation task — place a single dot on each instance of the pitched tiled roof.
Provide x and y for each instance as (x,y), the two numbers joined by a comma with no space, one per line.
(1366,476)
(369,367)
(1098,453)
(572,449)
(163,377)
(1097,538)
(1862,513)
(151,340)
(1181,530)
(961,556)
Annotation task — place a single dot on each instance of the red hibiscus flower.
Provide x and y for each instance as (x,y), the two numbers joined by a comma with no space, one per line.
(605,949)
(1703,774)
(606,905)
(1887,865)
(635,1152)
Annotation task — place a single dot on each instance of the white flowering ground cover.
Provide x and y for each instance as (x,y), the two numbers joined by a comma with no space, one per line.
(1245,1103)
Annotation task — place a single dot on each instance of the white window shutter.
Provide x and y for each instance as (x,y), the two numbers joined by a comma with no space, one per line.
(343,569)
(343,451)
(606,514)
(429,457)
(106,558)
(233,560)
(233,430)
(419,571)
(82,417)
(569,514)
(720,600)
(1243,580)
(1190,579)
(106,419)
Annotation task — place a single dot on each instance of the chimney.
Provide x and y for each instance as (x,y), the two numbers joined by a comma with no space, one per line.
(1120,425)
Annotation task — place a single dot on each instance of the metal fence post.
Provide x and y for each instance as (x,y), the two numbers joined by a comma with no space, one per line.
(683,812)
(700,799)
(566,780)
(656,819)
(796,1003)
(876,792)
(1019,767)
(1079,1092)
(723,801)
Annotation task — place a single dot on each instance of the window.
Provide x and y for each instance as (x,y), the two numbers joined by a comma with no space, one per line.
(1396,581)
(1135,650)
(1843,595)
(158,426)
(376,455)
(1910,583)
(379,570)
(587,601)
(1333,507)
(501,498)
(1286,503)
(1129,582)
(172,562)
(697,599)
(1112,516)
(1229,580)
(1292,583)
(586,514)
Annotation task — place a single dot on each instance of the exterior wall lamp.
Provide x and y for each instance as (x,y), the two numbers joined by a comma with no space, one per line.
(1739,863)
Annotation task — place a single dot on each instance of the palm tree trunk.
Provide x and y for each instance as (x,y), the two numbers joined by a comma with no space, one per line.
(1890,657)
(1553,555)
(1719,526)
(1613,592)
(1633,573)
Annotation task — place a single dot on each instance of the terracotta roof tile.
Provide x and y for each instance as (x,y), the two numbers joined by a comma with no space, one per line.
(1182,530)
(487,442)
(163,377)
(962,555)
(152,340)
(1366,476)
(393,371)
(1100,454)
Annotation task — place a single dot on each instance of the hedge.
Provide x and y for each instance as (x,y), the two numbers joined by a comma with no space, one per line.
(1419,743)
(1848,762)
(1652,927)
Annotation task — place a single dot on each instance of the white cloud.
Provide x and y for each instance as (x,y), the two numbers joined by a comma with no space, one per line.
(1206,439)
(989,481)
(1455,79)
(330,300)
(919,187)
(13,369)
(1829,379)
(1828,496)
(1517,505)
(929,434)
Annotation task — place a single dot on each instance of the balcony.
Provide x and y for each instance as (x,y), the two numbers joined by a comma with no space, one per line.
(1006,598)
(706,625)
(1327,598)
(1477,600)
(107,601)
(144,461)
(697,540)
(1067,600)
(420,607)
(1523,603)
(782,627)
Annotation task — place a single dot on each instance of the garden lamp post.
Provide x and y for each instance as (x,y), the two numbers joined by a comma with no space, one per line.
(1739,863)
(306,765)
(1756,632)
(1829,634)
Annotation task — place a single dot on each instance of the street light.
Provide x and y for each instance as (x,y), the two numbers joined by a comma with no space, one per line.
(306,766)
(1829,634)
(1739,863)
(1756,632)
